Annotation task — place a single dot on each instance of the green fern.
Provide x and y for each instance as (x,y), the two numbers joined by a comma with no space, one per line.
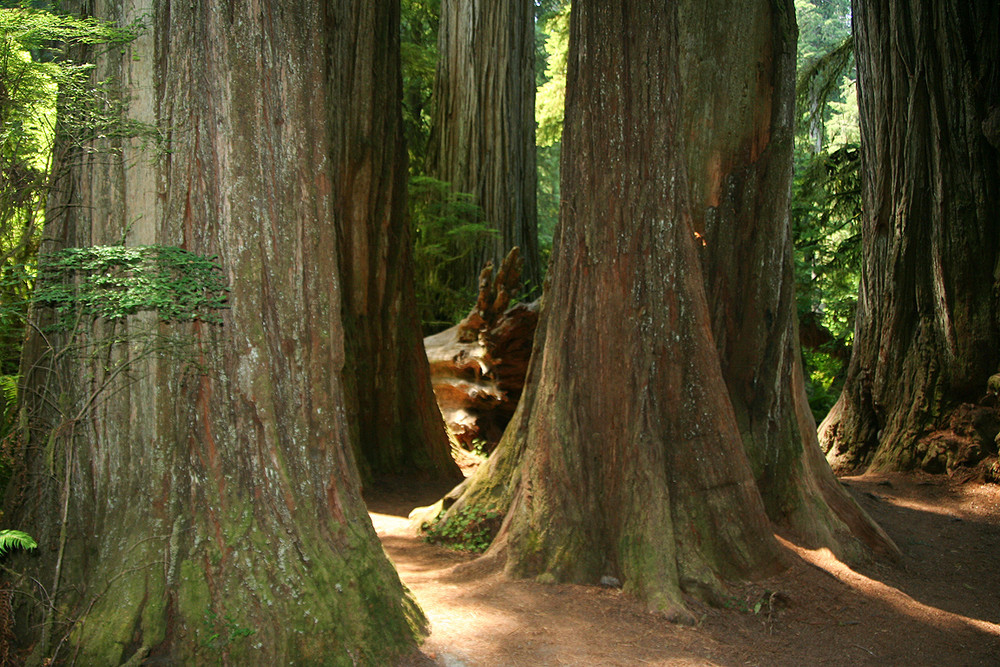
(15,539)
(8,389)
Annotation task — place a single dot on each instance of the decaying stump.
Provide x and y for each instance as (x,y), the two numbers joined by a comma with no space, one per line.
(478,366)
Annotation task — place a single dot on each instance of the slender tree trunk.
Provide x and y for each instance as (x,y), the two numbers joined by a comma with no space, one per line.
(927,334)
(738,114)
(483,132)
(391,407)
(204,507)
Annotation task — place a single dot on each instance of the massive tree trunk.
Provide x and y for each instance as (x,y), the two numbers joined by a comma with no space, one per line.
(390,405)
(633,466)
(203,506)
(483,132)
(927,335)
(626,456)
(738,115)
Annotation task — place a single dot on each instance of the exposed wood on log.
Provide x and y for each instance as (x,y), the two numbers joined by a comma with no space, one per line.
(478,366)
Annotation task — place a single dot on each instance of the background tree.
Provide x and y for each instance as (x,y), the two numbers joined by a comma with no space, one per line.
(625,457)
(738,113)
(418,48)
(448,226)
(928,326)
(200,503)
(390,405)
(27,107)
(826,197)
(552,50)
(483,134)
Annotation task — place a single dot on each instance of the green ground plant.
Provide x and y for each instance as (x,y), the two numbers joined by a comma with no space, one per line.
(15,539)
(472,529)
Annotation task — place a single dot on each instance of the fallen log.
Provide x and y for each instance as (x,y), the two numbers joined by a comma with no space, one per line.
(478,366)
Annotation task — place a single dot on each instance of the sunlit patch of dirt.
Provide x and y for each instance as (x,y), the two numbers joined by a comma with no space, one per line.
(939,606)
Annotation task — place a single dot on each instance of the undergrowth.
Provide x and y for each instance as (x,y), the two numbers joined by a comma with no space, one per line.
(471,529)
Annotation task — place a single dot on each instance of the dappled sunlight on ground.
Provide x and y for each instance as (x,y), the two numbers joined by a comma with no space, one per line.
(892,597)
(940,606)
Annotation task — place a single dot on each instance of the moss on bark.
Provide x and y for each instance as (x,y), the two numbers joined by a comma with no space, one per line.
(212,503)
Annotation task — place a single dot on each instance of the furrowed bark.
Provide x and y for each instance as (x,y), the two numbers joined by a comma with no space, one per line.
(652,411)
(213,511)
(630,459)
(927,335)
(483,133)
(739,120)
(390,405)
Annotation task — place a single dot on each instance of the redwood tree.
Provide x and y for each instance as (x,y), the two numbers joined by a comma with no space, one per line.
(927,334)
(738,118)
(391,408)
(639,449)
(197,500)
(483,129)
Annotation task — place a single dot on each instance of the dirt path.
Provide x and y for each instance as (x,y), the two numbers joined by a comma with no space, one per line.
(940,606)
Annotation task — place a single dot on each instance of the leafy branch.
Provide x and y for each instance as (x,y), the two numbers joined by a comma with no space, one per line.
(113,282)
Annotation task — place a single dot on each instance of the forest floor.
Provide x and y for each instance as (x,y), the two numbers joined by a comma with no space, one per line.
(940,606)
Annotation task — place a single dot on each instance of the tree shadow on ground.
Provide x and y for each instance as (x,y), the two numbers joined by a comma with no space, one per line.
(825,614)
(950,538)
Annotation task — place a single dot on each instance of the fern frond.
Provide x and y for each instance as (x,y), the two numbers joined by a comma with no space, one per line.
(15,539)
(8,388)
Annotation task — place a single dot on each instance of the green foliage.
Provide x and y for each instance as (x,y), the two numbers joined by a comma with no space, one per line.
(222,631)
(418,51)
(8,424)
(471,529)
(27,113)
(826,379)
(826,192)
(38,77)
(480,447)
(826,217)
(113,282)
(447,228)
(822,24)
(15,539)
(548,197)
(551,95)
(821,83)
(35,28)
(88,109)
(552,38)
(756,602)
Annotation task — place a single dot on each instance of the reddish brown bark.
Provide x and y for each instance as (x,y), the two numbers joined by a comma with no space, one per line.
(390,406)
(738,111)
(483,133)
(204,507)
(927,335)
(645,442)
(625,456)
